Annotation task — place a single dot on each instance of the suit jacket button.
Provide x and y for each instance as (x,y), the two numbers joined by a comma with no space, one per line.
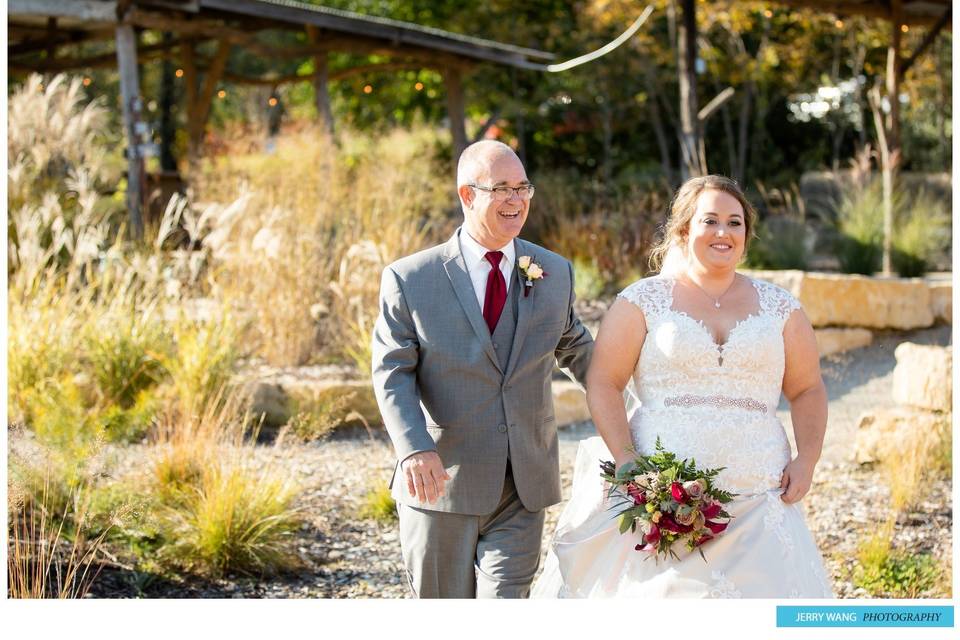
(502,428)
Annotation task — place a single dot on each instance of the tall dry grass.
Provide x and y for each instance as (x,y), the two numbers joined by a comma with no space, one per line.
(52,551)
(322,223)
(606,231)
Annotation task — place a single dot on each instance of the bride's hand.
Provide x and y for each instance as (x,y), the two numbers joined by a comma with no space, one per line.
(796,479)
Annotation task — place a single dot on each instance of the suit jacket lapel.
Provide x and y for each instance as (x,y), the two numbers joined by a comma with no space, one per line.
(524,308)
(456,270)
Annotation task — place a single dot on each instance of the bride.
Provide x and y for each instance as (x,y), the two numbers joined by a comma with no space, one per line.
(707,351)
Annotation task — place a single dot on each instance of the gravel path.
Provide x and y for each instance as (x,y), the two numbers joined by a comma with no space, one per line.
(346,556)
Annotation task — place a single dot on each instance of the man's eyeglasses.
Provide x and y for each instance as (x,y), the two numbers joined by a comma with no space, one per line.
(524,192)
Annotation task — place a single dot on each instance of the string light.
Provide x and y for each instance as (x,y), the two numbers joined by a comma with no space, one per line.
(839,23)
(86,82)
(904,28)
(768,13)
(179,73)
(221,94)
(368,89)
(418,86)
(272,102)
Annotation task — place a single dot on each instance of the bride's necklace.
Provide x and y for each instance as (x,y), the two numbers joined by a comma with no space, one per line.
(716,301)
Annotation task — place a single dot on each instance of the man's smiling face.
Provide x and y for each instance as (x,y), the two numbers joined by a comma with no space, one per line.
(491,221)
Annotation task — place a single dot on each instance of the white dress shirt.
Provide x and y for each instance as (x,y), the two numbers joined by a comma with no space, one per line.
(474,255)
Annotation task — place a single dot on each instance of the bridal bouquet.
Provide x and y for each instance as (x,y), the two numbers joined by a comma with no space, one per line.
(669,500)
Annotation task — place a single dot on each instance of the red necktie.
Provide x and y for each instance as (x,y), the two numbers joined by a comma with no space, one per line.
(496,295)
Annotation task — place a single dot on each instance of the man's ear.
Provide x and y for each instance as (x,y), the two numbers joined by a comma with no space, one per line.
(466,195)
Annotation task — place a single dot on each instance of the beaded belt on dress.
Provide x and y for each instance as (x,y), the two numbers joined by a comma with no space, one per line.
(722,402)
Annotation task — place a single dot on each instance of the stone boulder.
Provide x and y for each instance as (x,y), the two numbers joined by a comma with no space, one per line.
(836,340)
(941,301)
(569,403)
(843,300)
(882,433)
(922,377)
(279,393)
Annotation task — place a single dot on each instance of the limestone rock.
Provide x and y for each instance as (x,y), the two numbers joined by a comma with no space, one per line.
(279,393)
(569,403)
(845,300)
(941,301)
(880,433)
(836,340)
(922,377)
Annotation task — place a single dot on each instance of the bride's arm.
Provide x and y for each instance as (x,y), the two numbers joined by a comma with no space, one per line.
(807,395)
(615,355)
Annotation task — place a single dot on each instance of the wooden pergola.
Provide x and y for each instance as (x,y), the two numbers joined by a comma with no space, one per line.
(38,29)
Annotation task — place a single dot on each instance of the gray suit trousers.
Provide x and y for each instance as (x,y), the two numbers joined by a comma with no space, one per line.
(451,555)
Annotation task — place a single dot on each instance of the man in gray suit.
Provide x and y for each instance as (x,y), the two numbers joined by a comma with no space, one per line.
(464,348)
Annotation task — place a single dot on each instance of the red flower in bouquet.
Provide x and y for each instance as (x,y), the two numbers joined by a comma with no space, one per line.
(676,490)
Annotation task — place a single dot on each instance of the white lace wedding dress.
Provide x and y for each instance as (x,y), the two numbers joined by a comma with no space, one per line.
(715,404)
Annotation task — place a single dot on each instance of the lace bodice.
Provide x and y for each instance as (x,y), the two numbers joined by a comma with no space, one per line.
(716,403)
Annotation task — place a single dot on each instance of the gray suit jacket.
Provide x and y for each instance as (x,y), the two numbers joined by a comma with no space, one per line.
(440,386)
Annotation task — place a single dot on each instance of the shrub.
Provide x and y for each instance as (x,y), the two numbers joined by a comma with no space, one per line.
(317,213)
(891,573)
(909,467)
(922,234)
(234,520)
(781,243)
(49,550)
(202,360)
(124,354)
(921,230)
(317,419)
(608,233)
(860,226)
(377,504)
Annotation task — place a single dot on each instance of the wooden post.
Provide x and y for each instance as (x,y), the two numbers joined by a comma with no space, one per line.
(690,147)
(892,156)
(168,127)
(200,95)
(320,82)
(130,99)
(190,83)
(455,111)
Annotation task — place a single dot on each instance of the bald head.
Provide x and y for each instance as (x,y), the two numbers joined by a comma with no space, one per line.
(490,218)
(477,159)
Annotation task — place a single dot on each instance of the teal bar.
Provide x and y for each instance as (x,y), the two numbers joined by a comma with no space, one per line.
(854,616)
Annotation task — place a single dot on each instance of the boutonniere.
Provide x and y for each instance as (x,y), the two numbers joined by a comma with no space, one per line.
(530,271)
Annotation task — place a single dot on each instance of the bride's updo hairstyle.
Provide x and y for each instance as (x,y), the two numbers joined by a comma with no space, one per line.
(682,207)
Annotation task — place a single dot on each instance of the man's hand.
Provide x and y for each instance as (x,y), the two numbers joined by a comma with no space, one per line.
(796,479)
(425,476)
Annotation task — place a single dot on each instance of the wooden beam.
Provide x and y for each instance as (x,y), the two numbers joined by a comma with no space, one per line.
(200,95)
(927,41)
(340,74)
(865,9)
(132,107)
(149,52)
(86,10)
(388,31)
(63,37)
